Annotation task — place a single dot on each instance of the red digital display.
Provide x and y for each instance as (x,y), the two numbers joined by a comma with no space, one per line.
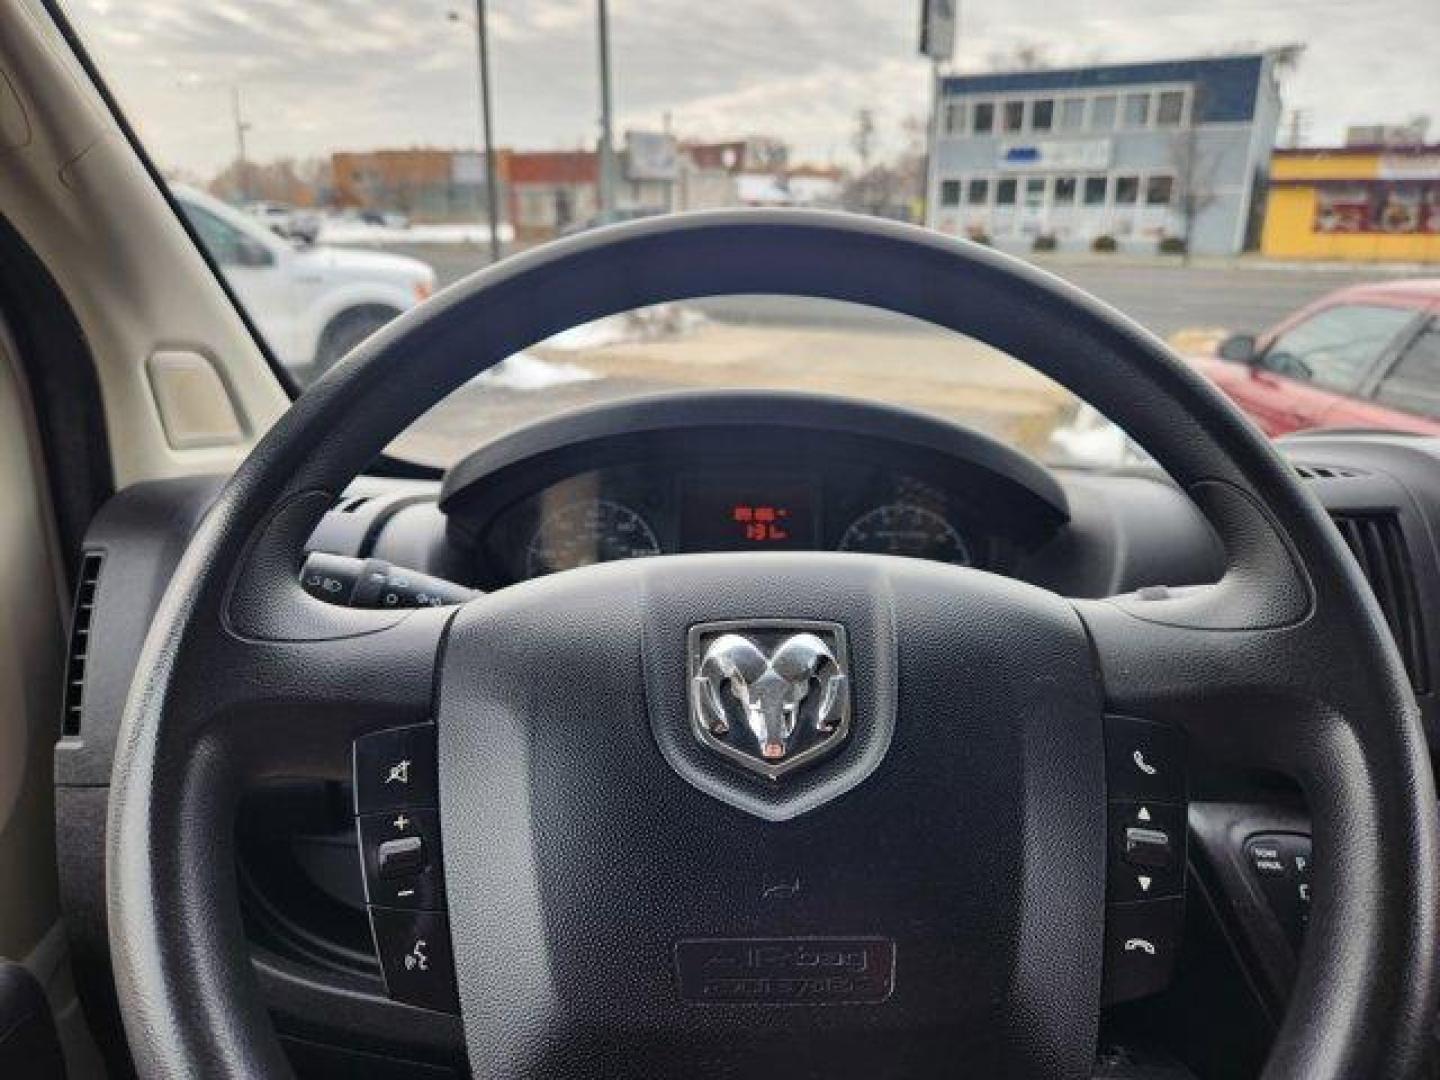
(763,524)
(724,512)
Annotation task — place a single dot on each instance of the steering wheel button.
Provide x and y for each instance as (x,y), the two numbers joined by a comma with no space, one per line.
(1148,847)
(1147,851)
(415,954)
(400,851)
(1141,940)
(1144,760)
(401,858)
(395,768)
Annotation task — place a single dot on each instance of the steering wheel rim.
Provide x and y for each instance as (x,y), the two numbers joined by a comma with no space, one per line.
(238,653)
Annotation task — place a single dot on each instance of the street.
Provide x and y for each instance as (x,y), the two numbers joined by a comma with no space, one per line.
(1162,295)
(773,342)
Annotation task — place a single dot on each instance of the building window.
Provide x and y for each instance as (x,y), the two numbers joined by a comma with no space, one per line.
(1013,115)
(1170,108)
(1005,191)
(1034,192)
(1159,190)
(1137,110)
(982,118)
(954,117)
(1095,190)
(1065,191)
(1102,112)
(1127,190)
(978,193)
(949,192)
(1072,114)
(1042,114)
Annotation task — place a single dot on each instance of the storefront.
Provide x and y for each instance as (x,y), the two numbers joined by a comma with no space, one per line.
(1365,203)
(1124,154)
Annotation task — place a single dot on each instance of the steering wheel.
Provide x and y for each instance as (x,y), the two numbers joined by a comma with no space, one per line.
(955,838)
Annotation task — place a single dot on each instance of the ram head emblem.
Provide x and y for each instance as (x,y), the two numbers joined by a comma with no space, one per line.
(771,698)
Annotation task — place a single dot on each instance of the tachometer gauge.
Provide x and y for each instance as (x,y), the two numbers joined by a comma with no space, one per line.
(906,529)
(588,531)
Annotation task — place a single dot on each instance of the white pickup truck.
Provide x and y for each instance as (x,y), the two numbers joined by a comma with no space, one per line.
(312,303)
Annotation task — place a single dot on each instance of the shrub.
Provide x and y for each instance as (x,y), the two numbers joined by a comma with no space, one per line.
(978,236)
(1104,243)
(1172,245)
(1045,242)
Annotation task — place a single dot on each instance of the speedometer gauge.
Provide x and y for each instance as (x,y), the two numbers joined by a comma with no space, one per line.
(906,529)
(588,531)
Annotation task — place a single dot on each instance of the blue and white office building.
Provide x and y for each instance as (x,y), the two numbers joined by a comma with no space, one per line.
(1080,153)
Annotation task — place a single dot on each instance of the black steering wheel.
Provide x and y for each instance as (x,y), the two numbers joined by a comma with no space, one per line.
(956,838)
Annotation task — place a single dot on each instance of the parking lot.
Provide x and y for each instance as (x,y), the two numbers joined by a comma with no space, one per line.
(1162,295)
(775,342)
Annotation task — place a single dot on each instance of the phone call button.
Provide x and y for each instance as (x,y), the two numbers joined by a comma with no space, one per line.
(1144,760)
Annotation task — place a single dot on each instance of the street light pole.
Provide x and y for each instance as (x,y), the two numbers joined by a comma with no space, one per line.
(492,188)
(607,142)
(242,166)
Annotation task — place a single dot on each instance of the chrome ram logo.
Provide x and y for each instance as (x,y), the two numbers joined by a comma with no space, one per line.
(770,696)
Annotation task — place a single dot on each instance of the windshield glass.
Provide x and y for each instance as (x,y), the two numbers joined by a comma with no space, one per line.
(1256,185)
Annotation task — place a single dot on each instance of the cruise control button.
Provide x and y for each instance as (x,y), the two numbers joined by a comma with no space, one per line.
(1147,851)
(414,950)
(396,768)
(1144,760)
(400,850)
(1141,940)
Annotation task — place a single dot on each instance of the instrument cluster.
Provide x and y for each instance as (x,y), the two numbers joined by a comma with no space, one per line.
(625,512)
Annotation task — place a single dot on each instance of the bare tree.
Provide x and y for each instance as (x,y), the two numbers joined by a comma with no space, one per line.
(891,188)
(1195,169)
(863,138)
(283,180)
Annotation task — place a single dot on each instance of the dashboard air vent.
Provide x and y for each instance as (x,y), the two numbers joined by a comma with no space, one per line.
(85,589)
(1378,544)
(1327,472)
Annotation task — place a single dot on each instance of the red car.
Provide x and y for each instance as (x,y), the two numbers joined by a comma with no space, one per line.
(1363,357)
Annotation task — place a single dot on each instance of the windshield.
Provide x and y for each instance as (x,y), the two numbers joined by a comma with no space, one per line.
(1257,183)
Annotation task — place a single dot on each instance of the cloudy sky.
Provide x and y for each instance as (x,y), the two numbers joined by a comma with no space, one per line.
(320,75)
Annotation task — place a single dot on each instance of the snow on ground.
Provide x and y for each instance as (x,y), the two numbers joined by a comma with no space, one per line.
(643,324)
(526,372)
(1090,439)
(339,231)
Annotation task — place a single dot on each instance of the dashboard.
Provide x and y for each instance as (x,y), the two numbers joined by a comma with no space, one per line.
(702,472)
(741,472)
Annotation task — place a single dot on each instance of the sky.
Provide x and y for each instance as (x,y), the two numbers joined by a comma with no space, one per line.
(315,76)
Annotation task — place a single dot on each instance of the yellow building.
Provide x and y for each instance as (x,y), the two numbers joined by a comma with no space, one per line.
(1354,203)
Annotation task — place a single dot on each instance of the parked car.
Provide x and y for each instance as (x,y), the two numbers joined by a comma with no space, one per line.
(313,303)
(1367,356)
(385,219)
(285,220)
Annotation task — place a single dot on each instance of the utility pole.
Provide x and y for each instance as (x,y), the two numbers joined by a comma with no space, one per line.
(938,21)
(932,142)
(242,165)
(1298,120)
(482,77)
(607,141)
(492,186)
